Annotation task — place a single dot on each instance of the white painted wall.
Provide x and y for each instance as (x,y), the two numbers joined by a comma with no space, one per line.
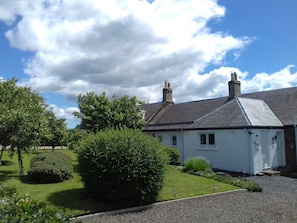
(234,150)
(167,140)
(230,151)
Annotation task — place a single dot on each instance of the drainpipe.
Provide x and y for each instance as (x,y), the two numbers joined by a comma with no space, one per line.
(183,145)
(295,133)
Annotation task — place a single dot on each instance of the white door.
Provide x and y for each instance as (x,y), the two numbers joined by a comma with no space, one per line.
(265,150)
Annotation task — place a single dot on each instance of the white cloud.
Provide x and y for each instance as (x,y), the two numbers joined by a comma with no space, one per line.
(205,85)
(264,81)
(67,113)
(129,47)
(119,46)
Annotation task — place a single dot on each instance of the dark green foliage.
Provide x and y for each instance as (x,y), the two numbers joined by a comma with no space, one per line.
(238,182)
(98,112)
(228,179)
(15,209)
(122,166)
(22,118)
(197,164)
(173,155)
(208,173)
(51,167)
(56,130)
(249,185)
(225,178)
(74,136)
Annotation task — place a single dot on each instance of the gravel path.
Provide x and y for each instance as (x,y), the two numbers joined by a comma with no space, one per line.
(277,203)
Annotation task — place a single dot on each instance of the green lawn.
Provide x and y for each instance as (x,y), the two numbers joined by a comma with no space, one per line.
(180,185)
(70,195)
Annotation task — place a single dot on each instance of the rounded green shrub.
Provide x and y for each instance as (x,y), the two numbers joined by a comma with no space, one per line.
(50,167)
(197,164)
(173,155)
(122,166)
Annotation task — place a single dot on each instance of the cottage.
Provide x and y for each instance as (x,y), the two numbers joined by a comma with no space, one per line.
(240,132)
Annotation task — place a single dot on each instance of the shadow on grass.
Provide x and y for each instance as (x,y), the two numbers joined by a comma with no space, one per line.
(27,180)
(79,200)
(6,174)
(6,163)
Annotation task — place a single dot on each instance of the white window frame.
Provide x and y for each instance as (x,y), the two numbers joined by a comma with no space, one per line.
(207,140)
(174,140)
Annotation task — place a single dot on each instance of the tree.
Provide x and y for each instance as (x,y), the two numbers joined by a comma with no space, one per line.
(22,118)
(98,112)
(55,130)
(74,137)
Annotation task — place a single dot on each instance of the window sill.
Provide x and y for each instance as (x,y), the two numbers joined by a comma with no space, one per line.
(207,148)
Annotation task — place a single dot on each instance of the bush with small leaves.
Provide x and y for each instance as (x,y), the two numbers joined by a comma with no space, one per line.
(50,167)
(247,184)
(122,166)
(173,155)
(225,178)
(197,164)
(14,209)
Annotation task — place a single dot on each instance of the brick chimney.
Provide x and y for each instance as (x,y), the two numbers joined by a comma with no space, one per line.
(234,86)
(167,93)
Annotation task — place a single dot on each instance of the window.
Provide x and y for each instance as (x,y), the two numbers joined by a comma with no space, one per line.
(211,139)
(174,140)
(203,139)
(207,139)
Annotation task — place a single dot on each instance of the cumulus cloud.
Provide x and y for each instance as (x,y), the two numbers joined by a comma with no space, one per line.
(198,86)
(129,47)
(65,112)
(122,46)
(283,78)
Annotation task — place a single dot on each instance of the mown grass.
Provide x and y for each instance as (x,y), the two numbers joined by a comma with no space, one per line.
(70,195)
(178,185)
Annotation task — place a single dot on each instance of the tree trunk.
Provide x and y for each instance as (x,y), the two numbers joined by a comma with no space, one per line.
(2,150)
(20,159)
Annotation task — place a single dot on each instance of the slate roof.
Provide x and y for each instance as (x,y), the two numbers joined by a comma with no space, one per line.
(150,109)
(283,102)
(240,112)
(258,113)
(189,111)
(273,108)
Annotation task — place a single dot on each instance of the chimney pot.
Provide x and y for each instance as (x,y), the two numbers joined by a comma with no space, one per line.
(167,93)
(234,86)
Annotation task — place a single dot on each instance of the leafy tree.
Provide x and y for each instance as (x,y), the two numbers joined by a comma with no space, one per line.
(22,118)
(56,130)
(98,112)
(74,137)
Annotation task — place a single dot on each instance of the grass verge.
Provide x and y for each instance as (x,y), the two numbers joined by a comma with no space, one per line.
(70,195)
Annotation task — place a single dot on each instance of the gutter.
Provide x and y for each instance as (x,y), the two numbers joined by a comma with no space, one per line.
(295,131)
(183,145)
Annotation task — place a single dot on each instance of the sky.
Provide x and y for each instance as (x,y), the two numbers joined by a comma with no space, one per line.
(63,48)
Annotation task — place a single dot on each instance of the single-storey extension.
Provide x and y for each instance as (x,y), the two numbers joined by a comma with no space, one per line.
(239,132)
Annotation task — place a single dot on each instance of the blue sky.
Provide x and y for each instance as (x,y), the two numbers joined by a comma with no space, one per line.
(63,49)
(272,24)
